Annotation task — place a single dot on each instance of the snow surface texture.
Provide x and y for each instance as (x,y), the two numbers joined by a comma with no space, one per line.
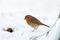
(12,13)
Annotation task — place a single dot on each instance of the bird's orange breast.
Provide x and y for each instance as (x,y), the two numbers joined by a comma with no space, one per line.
(28,20)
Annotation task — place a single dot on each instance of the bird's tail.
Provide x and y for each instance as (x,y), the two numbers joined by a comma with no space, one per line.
(46,25)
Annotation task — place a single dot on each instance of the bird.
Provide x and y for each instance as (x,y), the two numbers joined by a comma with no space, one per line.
(9,30)
(34,22)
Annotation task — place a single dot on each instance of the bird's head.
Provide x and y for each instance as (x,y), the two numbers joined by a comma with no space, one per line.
(27,18)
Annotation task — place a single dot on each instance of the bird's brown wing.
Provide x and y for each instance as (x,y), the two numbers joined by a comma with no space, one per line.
(36,21)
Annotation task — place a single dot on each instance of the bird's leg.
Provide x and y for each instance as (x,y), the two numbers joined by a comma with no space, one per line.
(34,29)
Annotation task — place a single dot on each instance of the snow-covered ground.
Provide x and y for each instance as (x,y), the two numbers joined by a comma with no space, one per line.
(12,13)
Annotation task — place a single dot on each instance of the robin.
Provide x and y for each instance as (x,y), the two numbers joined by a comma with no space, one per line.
(33,22)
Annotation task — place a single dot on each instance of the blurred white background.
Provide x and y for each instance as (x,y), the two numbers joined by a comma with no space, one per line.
(12,13)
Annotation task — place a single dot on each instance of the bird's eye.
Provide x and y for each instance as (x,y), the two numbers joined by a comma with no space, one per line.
(28,17)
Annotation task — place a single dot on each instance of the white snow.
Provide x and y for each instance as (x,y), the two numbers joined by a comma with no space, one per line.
(12,13)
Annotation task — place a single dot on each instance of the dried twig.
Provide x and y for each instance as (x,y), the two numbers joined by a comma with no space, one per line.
(59,15)
(54,24)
